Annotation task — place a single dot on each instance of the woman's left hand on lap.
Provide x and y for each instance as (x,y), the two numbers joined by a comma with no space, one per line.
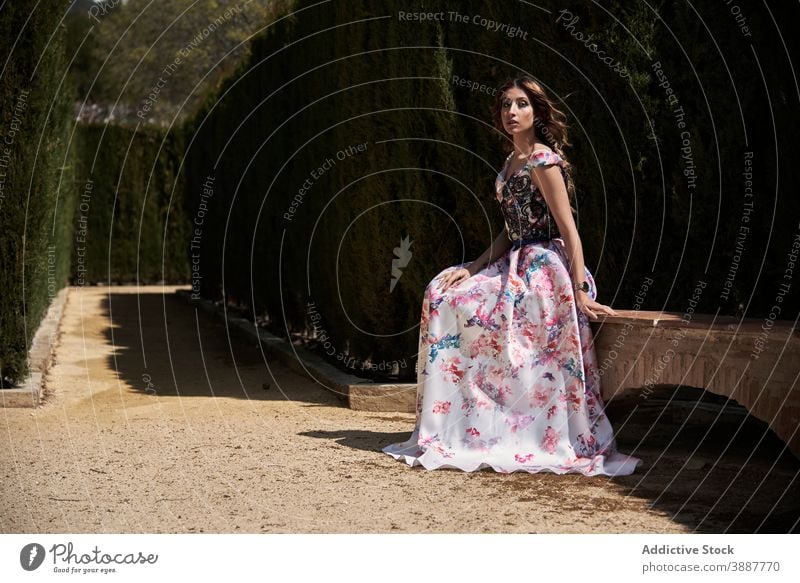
(454,277)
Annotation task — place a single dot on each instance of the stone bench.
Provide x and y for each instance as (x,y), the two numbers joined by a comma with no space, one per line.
(755,362)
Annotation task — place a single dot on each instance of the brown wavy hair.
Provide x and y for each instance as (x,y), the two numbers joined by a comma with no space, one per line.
(549,122)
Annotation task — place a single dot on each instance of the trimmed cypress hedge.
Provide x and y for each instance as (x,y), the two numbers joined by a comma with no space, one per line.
(304,114)
(129,219)
(36,195)
(94,203)
(305,239)
(352,158)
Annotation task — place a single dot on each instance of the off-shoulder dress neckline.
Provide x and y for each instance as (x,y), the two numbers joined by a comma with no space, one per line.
(524,166)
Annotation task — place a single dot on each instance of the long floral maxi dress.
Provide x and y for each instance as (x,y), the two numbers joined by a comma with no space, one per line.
(507,374)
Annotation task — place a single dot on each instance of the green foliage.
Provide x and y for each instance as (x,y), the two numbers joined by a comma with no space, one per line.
(332,76)
(129,217)
(291,117)
(36,198)
(153,63)
(300,225)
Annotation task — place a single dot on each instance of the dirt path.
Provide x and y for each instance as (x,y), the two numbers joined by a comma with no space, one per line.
(145,430)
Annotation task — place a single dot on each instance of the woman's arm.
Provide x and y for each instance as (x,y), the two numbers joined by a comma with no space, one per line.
(551,184)
(499,246)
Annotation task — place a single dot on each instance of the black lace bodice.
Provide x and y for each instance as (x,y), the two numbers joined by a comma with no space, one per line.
(524,209)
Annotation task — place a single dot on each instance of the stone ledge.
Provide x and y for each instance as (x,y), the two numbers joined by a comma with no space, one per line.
(355,392)
(740,359)
(40,357)
(730,324)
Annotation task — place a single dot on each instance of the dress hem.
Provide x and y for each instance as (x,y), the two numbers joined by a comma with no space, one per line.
(623,465)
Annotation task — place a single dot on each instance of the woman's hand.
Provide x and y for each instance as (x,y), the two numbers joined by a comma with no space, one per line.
(454,277)
(590,307)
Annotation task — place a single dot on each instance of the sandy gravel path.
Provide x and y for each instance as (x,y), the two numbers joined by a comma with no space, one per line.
(145,430)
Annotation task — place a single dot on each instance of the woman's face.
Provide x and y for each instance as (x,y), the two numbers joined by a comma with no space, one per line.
(516,111)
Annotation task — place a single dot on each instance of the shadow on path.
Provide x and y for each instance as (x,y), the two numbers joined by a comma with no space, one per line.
(167,347)
(164,344)
(712,490)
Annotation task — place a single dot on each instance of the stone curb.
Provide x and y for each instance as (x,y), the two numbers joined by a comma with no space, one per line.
(40,357)
(357,393)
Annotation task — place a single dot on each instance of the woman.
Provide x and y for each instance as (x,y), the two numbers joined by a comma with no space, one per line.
(507,374)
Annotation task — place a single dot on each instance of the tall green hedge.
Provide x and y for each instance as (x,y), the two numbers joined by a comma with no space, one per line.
(653,202)
(36,195)
(129,218)
(347,135)
(311,111)
(740,98)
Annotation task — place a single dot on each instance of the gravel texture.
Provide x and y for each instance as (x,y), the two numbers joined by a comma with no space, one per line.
(159,419)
